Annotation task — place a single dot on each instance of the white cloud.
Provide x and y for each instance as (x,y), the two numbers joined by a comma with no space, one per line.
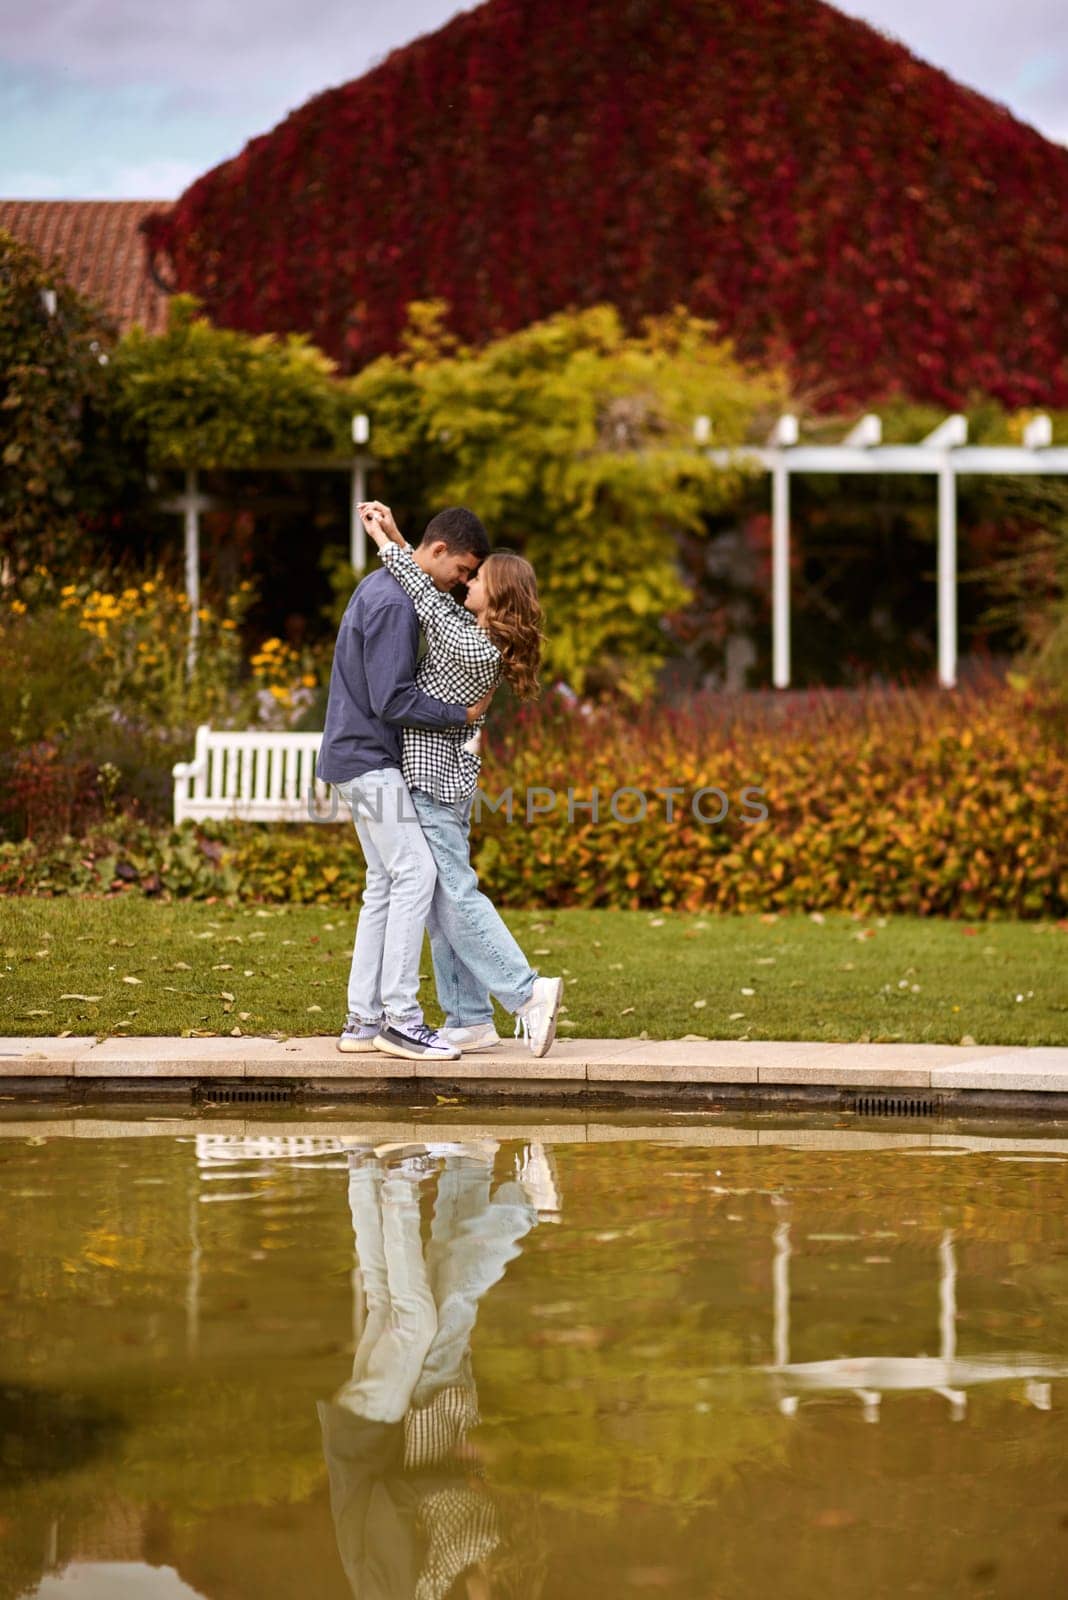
(88,84)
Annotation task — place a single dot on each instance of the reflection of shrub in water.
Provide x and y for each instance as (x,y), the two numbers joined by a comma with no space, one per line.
(45,1432)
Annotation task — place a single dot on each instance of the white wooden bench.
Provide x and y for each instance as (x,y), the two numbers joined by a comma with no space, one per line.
(254,777)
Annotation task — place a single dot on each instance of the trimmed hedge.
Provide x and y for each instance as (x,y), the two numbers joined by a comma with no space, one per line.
(920,802)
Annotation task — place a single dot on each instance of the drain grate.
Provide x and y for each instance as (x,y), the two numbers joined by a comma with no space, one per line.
(244,1095)
(894,1105)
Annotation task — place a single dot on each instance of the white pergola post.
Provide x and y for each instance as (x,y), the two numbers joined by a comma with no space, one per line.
(189,505)
(780,575)
(948,436)
(783,435)
(192,562)
(947,576)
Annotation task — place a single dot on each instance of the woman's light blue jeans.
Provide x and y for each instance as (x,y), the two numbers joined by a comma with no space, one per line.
(474,953)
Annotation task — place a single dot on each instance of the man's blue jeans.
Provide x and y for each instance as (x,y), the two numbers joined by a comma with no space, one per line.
(384,976)
(474,954)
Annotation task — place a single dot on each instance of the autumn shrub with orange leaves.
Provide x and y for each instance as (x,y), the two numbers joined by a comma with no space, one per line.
(914,801)
(903,801)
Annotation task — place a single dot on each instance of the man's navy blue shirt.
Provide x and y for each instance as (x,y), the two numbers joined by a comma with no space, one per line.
(372,689)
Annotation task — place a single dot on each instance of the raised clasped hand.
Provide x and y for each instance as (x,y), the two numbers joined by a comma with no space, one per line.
(378,520)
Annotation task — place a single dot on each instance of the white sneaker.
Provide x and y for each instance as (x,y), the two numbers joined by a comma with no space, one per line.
(482,1036)
(537,1019)
(537,1177)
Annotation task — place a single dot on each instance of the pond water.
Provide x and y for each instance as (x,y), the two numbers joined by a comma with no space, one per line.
(719,1359)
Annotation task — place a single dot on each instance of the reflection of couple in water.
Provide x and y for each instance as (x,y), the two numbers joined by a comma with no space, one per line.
(413,1518)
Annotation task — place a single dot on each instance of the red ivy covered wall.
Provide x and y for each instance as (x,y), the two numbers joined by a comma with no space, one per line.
(773,164)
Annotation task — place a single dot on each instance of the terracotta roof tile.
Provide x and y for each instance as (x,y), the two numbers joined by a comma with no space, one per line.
(101,251)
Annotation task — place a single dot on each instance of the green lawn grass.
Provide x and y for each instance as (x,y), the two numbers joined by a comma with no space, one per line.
(131,966)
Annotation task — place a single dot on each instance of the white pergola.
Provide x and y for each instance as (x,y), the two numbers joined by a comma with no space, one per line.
(191,504)
(870,1377)
(944,454)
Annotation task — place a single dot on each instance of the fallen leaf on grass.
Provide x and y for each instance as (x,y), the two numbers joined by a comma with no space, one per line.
(699,1005)
(223,966)
(128,979)
(33,1013)
(736,1016)
(626,1011)
(315,1008)
(91,998)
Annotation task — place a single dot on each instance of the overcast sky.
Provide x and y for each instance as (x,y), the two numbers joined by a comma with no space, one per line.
(135,98)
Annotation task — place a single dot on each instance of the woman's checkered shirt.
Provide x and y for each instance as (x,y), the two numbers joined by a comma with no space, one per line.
(460,666)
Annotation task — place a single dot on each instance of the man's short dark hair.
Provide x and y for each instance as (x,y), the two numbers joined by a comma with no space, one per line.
(459,529)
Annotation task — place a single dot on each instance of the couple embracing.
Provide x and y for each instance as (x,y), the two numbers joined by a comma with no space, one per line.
(401,746)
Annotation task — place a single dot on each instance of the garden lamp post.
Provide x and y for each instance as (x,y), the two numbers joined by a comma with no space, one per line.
(361,433)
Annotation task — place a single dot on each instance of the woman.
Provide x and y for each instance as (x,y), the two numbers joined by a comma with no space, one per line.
(496,633)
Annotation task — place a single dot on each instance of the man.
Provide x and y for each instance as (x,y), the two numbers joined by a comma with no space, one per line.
(372,695)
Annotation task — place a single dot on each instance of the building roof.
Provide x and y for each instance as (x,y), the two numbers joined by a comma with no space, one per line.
(100,248)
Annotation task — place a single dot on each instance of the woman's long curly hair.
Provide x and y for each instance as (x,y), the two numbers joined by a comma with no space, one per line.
(513,619)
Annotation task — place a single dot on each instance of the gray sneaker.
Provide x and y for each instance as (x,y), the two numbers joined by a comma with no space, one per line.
(414,1041)
(356,1036)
